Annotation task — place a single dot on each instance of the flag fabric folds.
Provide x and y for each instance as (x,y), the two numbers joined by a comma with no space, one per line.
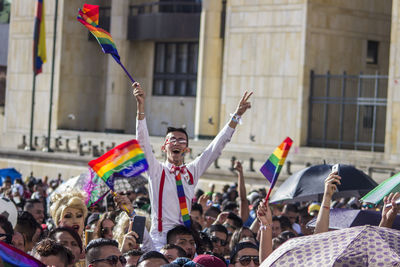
(273,165)
(126,159)
(89,17)
(39,39)
(14,257)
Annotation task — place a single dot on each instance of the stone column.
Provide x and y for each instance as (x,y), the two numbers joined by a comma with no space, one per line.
(209,70)
(118,85)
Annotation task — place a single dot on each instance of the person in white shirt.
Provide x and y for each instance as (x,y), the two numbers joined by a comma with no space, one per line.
(174,178)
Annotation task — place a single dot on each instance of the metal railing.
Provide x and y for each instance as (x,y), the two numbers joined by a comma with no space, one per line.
(347,111)
(166,7)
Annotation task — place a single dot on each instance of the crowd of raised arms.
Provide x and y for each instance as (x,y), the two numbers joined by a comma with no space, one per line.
(183,226)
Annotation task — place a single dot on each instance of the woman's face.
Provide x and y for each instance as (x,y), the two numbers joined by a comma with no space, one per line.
(107,228)
(73,218)
(68,241)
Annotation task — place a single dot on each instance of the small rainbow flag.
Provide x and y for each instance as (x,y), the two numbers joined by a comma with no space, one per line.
(127,155)
(89,17)
(272,167)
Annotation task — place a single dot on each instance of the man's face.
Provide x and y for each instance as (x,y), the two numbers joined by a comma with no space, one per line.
(230,225)
(105,252)
(219,241)
(276,228)
(187,243)
(170,254)
(68,241)
(37,212)
(175,145)
(245,257)
(196,216)
(291,215)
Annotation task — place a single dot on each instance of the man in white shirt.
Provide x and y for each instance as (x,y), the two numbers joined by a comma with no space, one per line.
(173,178)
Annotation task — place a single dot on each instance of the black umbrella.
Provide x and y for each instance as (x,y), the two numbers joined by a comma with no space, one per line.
(345,218)
(308,184)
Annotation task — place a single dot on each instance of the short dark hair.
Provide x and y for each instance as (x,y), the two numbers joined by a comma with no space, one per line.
(230,206)
(94,247)
(173,129)
(205,242)
(152,255)
(238,247)
(70,231)
(133,252)
(29,203)
(178,230)
(275,218)
(181,251)
(218,228)
(27,225)
(238,222)
(49,247)
(198,207)
(285,223)
(291,207)
(7,227)
(212,211)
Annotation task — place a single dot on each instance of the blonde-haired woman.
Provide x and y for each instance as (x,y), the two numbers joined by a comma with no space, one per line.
(69,209)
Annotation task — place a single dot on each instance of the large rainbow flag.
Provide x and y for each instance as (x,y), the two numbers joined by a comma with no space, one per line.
(39,39)
(126,158)
(12,256)
(272,167)
(89,17)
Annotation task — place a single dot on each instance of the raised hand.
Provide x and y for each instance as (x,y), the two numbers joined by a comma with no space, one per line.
(139,93)
(331,183)
(389,213)
(243,104)
(238,167)
(264,213)
(130,238)
(123,202)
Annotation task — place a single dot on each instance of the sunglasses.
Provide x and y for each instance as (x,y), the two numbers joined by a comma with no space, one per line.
(113,260)
(245,260)
(176,141)
(215,239)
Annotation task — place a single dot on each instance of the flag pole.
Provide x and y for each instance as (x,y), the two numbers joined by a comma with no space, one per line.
(30,146)
(47,148)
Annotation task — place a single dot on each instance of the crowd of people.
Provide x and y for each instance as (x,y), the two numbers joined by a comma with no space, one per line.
(182,226)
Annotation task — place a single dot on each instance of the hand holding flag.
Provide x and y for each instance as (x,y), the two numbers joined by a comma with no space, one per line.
(272,167)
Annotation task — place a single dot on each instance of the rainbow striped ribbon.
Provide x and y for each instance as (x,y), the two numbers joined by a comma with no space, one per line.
(182,201)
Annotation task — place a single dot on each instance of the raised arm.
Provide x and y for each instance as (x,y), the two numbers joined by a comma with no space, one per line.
(142,134)
(331,183)
(389,213)
(243,204)
(214,149)
(264,215)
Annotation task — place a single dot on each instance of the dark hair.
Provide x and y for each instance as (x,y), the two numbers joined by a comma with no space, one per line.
(285,223)
(94,247)
(177,230)
(218,228)
(276,218)
(133,252)
(205,242)
(99,228)
(212,211)
(235,239)
(238,248)
(70,231)
(236,220)
(49,247)
(291,207)
(29,203)
(181,252)
(199,193)
(282,238)
(173,129)
(152,255)
(7,227)
(27,225)
(198,207)
(229,206)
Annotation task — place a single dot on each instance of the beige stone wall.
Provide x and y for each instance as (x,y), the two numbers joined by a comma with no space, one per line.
(336,41)
(392,144)
(264,44)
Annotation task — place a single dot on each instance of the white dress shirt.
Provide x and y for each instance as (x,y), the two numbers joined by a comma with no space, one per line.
(171,213)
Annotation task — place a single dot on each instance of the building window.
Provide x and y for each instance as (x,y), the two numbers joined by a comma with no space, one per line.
(175,69)
(372,52)
(3,73)
(5,6)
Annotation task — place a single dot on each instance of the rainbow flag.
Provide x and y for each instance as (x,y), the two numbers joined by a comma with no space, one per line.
(89,17)
(39,39)
(126,156)
(12,256)
(272,167)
